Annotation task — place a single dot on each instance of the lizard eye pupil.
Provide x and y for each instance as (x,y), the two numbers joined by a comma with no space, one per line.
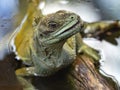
(52,24)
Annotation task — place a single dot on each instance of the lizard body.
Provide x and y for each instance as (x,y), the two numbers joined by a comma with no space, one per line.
(55,42)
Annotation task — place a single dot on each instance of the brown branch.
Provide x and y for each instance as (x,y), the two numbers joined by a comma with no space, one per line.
(85,76)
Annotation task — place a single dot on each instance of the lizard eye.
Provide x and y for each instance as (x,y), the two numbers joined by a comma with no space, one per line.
(52,24)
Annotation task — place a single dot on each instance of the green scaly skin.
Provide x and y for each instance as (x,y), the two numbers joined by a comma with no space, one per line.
(55,44)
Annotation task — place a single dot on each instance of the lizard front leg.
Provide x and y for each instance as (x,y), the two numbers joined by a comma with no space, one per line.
(26,85)
(82,47)
(26,71)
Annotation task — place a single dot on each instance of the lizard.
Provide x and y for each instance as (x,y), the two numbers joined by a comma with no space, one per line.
(54,44)
(55,41)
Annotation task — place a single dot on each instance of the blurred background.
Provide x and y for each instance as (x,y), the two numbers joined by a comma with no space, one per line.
(12,13)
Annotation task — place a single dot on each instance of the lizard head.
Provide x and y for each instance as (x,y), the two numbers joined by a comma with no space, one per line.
(57,27)
(50,34)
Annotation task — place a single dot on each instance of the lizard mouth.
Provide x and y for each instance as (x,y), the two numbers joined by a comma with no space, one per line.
(67,31)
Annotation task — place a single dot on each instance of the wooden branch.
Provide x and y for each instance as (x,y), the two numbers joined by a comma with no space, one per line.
(81,75)
(85,76)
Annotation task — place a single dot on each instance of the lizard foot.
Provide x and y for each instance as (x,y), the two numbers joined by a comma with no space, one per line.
(90,51)
(25,71)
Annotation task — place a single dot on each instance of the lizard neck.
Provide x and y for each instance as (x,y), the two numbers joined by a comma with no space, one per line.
(48,53)
(48,59)
(51,51)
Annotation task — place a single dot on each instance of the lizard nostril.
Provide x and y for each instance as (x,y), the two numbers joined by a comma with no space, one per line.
(72,17)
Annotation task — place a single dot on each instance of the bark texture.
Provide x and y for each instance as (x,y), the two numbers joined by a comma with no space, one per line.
(85,75)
